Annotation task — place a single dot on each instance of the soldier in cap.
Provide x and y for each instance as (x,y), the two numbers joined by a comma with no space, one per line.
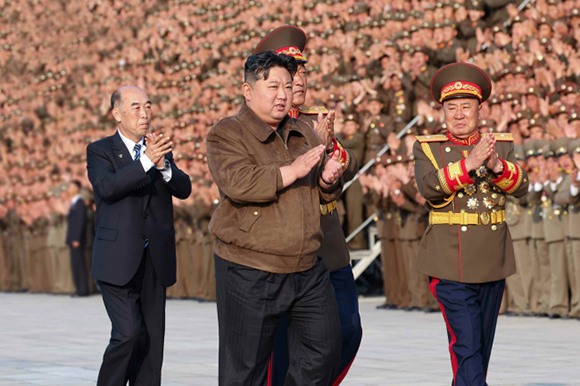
(469,26)
(537,205)
(378,126)
(467,250)
(574,225)
(353,139)
(559,164)
(291,41)
(519,285)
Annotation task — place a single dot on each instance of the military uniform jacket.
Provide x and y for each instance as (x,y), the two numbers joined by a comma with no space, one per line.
(517,218)
(333,248)
(458,252)
(553,212)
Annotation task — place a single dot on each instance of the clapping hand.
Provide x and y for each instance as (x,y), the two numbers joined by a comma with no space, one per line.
(332,170)
(157,147)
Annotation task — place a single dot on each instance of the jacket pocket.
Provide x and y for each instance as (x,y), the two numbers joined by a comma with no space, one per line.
(249,218)
(107,234)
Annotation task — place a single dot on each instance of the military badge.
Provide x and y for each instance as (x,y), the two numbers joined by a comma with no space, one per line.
(488,202)
(501,201)
(484,187)
(484,218)
(470,189)
(481,171)
(473,203)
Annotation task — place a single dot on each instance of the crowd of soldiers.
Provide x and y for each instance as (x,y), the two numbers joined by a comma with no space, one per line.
(370,61)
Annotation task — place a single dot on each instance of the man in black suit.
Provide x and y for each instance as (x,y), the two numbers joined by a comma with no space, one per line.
(76,239)
(134,178)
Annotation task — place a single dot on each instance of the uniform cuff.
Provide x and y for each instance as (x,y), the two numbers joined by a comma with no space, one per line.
(511,178)
(454,177)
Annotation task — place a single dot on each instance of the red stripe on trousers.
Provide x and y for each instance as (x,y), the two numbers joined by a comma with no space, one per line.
(270,369)
(454,364)
(346,369)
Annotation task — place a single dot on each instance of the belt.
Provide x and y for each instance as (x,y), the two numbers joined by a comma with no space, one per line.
(452,218)
(327,208)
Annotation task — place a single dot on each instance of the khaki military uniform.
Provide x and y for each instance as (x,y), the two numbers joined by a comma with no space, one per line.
(353,196)
(376,135)
(519,285)
(555,231)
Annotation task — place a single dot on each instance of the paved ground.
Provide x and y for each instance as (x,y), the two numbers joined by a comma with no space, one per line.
(57,340)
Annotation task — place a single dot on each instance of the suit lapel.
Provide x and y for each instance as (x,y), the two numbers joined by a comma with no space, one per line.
(120,152)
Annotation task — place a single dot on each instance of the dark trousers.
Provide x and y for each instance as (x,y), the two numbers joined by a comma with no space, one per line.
(79,270)
(470,312)
(137,313)
(251,303)
(350,326)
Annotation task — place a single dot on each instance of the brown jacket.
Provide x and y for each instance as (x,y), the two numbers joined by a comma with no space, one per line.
(259,223)
(465,253)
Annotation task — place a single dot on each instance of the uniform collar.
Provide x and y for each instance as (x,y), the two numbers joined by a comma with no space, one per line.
(254,124)
(130,144)
(294,112)
(472,140)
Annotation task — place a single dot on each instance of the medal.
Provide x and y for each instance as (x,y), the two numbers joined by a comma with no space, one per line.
(473,203)
(484,187)
(488,203)
(470,189)
(501,201)
(481,171)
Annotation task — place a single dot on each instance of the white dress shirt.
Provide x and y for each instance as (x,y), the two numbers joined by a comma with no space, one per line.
(75,199)
(145,161)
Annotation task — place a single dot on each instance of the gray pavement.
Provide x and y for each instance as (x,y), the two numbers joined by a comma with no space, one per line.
(58,340)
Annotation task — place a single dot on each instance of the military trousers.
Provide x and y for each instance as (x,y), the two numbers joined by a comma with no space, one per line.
(540,258)
(519,285)
(575,301)
(350,326)
(418,283)
(354,214)
(251,304)
(79,270)
(470,312)
(559,279)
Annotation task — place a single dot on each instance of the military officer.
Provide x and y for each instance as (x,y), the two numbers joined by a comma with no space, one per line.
(519,284)
(537,204)
(562,265)
(291,41)
(466,249)
(574,224)
(378,127)
(555,228)
(353,139)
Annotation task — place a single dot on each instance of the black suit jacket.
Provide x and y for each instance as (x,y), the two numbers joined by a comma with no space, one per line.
(77,223)
(132,208)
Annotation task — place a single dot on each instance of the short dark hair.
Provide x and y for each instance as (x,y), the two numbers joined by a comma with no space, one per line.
(258,65)
(77,183)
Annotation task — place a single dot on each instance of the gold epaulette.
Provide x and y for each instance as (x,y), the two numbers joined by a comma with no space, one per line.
(502,137)
(313,109)
(432,138)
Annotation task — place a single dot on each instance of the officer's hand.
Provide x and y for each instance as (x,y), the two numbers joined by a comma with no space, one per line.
(494,164)
(75,244)
(332,170)
(480,153)
(304,164)
(576,159)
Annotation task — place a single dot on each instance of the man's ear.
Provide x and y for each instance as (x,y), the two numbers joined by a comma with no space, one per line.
(247,92)
(117,114)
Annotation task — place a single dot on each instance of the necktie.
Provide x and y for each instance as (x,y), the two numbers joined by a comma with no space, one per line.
(137,150)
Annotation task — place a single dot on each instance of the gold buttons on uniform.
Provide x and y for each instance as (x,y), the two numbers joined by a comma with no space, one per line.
(460,195)
(255,213)
(464,228)
(447,149)
(450,163)
(494,195)
(494,227)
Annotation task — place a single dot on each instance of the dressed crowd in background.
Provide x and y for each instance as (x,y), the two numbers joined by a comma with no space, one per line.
(370,61)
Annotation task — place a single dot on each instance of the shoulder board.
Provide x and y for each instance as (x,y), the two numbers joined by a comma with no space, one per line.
(501,137)
(313,109)
(432,138)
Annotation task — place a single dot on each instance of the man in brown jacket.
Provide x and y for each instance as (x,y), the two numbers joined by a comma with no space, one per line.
(272,179)
(466,249)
